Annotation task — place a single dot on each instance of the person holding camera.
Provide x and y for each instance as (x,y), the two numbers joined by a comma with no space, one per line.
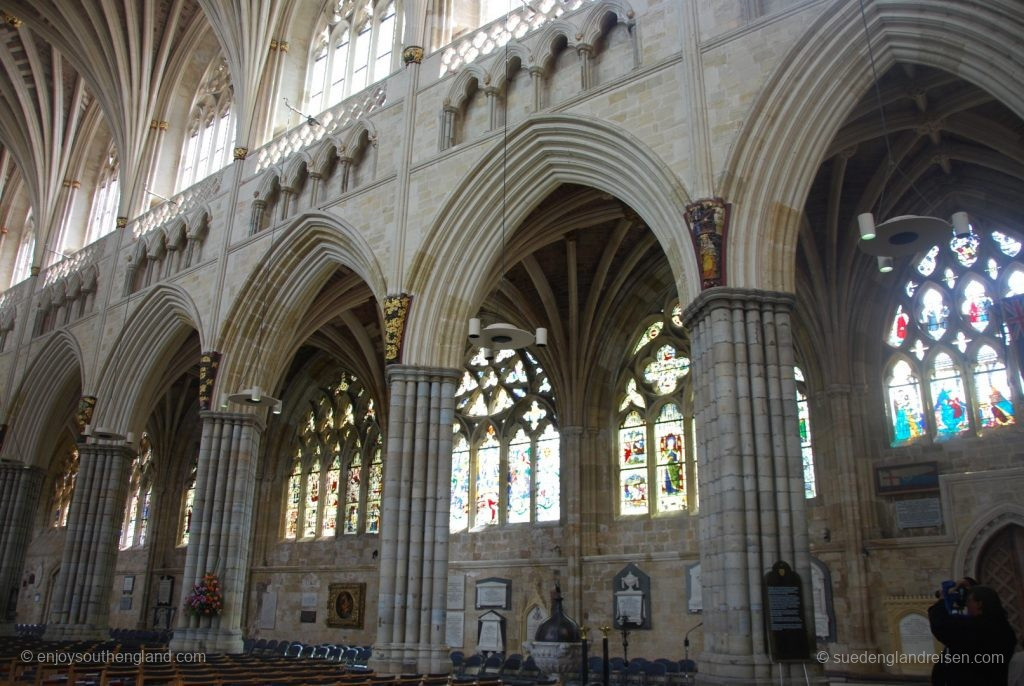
(979,643)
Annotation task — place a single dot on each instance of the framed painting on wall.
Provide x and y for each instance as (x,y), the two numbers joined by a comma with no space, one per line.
(345,605)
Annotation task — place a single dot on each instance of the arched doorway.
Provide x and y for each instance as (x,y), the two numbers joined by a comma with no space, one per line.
(1001,566)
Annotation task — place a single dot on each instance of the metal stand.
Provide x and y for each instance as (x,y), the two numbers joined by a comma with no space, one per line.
(625,645)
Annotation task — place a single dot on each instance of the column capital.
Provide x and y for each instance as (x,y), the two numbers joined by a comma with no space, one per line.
(242,418)
(18,466)
(412,54)
(408,372)
(732,298)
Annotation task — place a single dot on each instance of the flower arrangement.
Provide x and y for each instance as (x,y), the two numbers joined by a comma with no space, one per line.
(205,599)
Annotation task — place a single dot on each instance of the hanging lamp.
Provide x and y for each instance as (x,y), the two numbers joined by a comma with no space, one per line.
(905,234)
(502,335)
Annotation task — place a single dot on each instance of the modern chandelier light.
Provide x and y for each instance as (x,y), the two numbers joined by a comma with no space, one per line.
(904,234)
(255,397)
(502,335)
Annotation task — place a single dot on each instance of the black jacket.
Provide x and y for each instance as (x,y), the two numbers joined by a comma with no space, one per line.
(978,649)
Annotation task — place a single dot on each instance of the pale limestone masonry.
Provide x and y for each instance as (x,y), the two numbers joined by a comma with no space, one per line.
(504,191)
(19,489)
(82,590)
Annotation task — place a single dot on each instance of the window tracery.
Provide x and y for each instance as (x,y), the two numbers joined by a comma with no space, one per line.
(656,468)
(140,489)
(946,376)
(105,198)
(506,457)
(356,45)
(336,475)
(26,251)
(803,416)
(211,124)
(64,488)
(188,501)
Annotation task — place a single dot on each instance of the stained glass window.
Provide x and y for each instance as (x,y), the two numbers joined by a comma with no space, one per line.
(946,324)
(803,417)
(488,458)
(331,498)
(505,455)
(136,516)
(668,435)
(656,470)
(459,511)
(374,492)
(64,488)
(905,403)
(188,501)
(353,490)
(336,477)
(947,391)
(294,501)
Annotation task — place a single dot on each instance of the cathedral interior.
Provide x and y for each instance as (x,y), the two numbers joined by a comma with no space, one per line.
(391,315)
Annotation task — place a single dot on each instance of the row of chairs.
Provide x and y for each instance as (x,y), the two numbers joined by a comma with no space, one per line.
(512,669)
(357,657)
(28,630)
(141,637)
(642,672)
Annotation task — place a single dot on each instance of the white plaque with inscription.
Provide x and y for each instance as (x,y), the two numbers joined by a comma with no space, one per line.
(916,634)
(456,592)
(694,603)
(490,634)
(268,610)
(454,629)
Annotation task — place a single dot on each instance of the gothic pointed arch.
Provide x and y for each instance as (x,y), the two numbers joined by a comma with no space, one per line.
(805,103)
(256,335)
(55,374)
(153,332)
(553,149)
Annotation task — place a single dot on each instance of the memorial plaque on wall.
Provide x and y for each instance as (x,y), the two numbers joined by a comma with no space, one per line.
(916,634)
(456,592)
(917,513)
(453,628)
(821,597)
(268,610)
(631,599)
(493,592)
(694,603)
(490,632)
(165,590)
(784,614)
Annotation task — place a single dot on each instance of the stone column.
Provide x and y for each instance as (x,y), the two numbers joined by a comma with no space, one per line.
(414,521)
(19,495)
(80,605)
(750,471)
(222,528)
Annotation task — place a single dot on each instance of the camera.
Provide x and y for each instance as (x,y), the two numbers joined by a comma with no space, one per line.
(954,595)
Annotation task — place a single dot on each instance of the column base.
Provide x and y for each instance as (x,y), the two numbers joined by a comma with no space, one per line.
(206,640)
(7,629)
(75,632)
(410,658)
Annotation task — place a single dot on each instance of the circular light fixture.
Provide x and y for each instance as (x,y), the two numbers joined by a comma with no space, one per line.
(253,397)
(501,336)
(906,235)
